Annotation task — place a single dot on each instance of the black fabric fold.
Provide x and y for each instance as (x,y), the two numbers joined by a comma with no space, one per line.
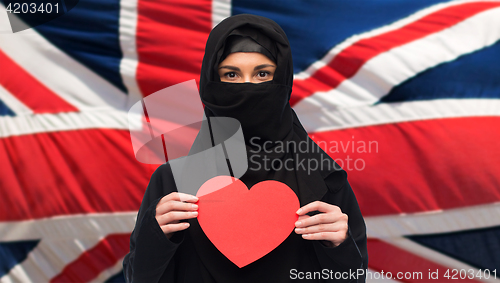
(243,43)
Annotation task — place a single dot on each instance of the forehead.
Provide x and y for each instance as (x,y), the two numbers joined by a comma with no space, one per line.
(246,58)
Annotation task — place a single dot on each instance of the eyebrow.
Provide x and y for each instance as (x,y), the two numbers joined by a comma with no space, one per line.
(238,69)
(230,68)
(262,66)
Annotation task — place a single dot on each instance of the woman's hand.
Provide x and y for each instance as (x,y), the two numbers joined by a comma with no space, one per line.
(330,225)
(175,207)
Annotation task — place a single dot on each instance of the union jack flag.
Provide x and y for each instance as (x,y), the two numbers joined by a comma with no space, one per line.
(405,95)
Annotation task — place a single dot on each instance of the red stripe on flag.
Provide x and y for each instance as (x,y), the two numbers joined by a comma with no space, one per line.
(347,63)
(95,260)
(70,172)
(29,90)
(171,37)
(419,166)
(388,258)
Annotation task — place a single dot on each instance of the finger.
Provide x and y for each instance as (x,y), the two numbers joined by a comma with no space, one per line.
(335,237)
(318,206)
(316,219)
(171,228)
(332,227)
(179,197)
(303,217)
(174,205)
(171,216)
(322,218)
(158,219)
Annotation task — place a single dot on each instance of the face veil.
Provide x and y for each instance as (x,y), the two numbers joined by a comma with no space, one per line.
(262,30)
(262,109)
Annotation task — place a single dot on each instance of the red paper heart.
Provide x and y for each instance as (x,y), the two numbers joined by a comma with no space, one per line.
(245,225)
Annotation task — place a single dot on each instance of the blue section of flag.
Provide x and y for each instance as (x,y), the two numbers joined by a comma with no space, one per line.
(13,253)
(478,248)
(91,36)
(315,27)
(5,110)
(475,75)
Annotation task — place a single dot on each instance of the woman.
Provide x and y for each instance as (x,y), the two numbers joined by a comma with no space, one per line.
(247,74)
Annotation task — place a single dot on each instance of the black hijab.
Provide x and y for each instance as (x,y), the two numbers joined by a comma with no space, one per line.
(263,110)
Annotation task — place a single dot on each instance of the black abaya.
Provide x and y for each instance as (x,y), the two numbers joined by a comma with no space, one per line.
(189,256)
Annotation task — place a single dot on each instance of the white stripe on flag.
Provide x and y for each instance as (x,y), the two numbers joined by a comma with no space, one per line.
(129,62)
(434,222)
(66,121)
(221,9)
(324,116)
(71,226)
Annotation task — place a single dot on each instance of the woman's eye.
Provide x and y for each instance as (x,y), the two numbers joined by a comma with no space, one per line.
(262,74)
(230,75)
